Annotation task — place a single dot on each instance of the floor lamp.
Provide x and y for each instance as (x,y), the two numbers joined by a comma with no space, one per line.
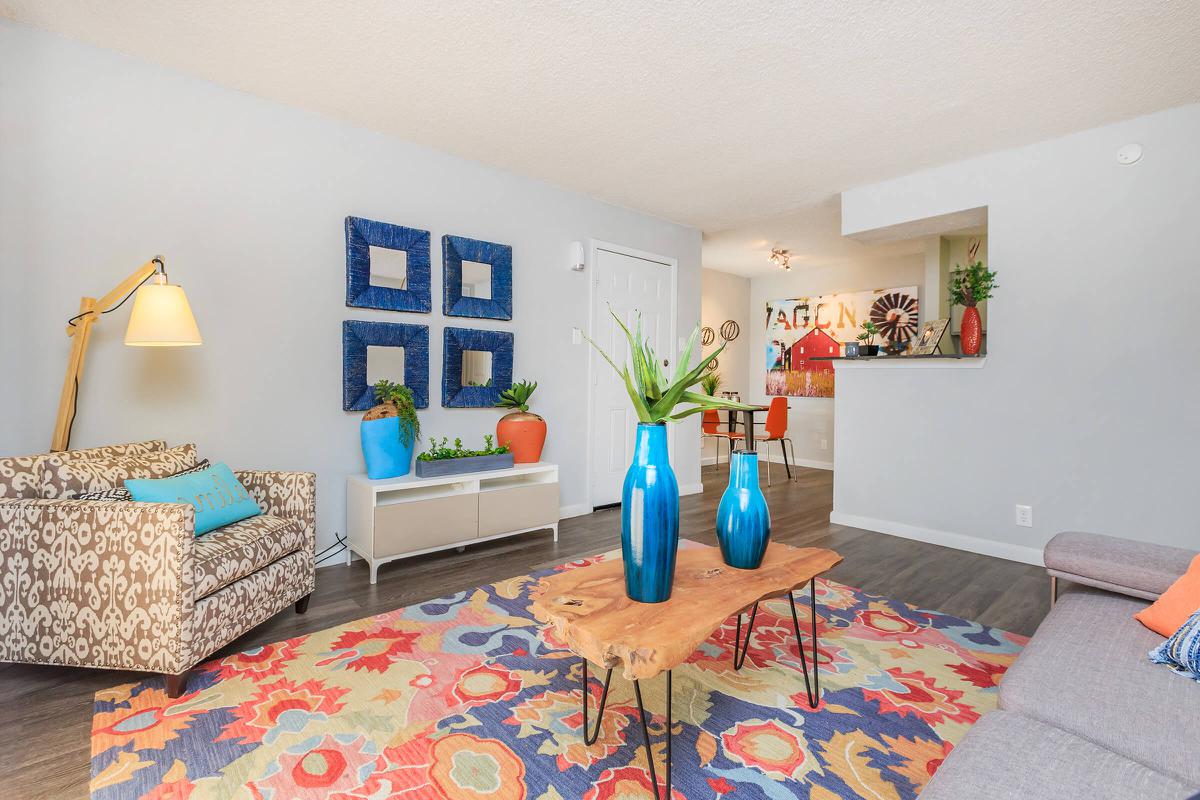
(161,317)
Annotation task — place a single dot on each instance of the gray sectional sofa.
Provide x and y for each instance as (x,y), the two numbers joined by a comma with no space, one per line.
(1083,713)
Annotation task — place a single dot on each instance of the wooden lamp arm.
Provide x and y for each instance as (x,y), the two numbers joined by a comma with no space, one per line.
(80,328)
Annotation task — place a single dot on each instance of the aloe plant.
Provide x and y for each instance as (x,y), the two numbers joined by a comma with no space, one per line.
(654,397)
(517,396)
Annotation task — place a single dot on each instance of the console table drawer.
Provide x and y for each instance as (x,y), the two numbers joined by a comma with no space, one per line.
(517,508)
(435,522)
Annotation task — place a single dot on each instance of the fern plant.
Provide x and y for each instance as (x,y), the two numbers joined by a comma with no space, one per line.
(711,383)
(654,397)
(399,397)
(517,396)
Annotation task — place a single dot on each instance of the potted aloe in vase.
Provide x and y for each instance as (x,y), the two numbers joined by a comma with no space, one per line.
(522,431)
(389,430)
(650,494)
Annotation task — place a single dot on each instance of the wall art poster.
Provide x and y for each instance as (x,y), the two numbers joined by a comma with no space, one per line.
(801,329)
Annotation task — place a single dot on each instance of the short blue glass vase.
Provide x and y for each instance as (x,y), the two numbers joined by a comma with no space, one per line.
(649,518)
(385,455)
(743,520)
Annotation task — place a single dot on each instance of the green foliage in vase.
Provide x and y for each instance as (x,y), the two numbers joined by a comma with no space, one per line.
(870,331)
(400,396)
(711,383)
(654,397)
(970,286)
(517,396)
(441,450)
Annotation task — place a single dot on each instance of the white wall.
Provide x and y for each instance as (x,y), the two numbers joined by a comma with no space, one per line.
(105,161)
(811,419)
(724,296)
(1085,406)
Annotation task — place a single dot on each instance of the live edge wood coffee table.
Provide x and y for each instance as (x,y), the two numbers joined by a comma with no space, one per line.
(591,613)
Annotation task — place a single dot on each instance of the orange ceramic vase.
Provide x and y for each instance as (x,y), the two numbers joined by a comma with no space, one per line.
(525,433)
(971,334)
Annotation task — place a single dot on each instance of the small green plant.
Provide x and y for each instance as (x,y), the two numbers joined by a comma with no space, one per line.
(971,285)
(870,331)
(711,383)
(401,397)
(517,396)
(654,397)
(440,450)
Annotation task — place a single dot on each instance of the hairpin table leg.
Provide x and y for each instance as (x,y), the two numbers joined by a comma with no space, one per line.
(637,689)
(740,647)
(589,736)
(811,690)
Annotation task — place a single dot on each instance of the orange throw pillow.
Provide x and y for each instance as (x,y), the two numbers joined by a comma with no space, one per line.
(1177,603)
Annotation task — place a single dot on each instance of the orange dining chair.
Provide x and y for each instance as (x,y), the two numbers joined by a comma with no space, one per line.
(710,428)
(774,430)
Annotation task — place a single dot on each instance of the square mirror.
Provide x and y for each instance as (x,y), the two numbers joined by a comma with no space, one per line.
(389,268)
(476,278)
(476,367)
(385,364)
(372,351)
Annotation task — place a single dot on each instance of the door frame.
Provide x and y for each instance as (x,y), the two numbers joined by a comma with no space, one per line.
(594,361)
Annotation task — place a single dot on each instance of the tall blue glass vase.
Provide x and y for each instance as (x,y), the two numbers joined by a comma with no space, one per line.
(649,518)
(385,455)
(743,520)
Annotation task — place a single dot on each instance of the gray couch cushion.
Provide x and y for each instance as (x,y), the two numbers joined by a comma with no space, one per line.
(1087,671)
(1139,569)
(1010,757)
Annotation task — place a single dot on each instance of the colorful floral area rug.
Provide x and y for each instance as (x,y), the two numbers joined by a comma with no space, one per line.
(462,698)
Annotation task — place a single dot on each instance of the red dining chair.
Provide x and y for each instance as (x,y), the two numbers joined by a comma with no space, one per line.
(710,428)
(774,430)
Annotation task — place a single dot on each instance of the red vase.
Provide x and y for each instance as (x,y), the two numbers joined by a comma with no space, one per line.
(524,433)
(971,335)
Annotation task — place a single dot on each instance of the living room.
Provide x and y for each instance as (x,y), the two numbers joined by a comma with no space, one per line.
(326,471)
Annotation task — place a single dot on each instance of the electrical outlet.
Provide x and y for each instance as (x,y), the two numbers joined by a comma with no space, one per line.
(576,336)
(1025,516)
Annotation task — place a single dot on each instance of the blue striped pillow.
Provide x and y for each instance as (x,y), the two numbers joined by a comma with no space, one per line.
(1182,651)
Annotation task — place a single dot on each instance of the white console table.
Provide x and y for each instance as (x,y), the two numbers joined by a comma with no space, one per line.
(400,517)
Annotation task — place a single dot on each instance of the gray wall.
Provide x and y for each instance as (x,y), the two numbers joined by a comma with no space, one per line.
(106,160)
(1086,405)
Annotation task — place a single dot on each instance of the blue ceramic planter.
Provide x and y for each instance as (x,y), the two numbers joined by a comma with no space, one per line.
(743,520)
(385,454)
(649,518)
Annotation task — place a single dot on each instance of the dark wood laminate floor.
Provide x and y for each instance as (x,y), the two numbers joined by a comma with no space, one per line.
(45,712)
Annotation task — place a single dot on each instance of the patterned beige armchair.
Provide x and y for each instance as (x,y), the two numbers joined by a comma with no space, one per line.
(126,585)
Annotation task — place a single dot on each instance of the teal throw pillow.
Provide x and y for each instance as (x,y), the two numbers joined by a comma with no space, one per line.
(216,494)
(1182,651)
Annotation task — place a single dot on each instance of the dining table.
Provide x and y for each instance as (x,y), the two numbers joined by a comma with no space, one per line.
(747,421)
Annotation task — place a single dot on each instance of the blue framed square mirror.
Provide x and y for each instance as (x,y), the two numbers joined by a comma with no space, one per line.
(476,367)
(375,350)
(387,266)
(476,278)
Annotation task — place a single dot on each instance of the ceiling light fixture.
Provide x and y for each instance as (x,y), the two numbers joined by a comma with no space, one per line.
(780,258)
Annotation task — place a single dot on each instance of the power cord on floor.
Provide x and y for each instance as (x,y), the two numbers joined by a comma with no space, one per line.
(335,549)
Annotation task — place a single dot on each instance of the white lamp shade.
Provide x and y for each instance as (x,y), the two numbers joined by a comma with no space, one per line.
(161,318)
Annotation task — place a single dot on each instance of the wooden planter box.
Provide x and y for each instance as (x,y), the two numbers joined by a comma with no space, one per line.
(459,466)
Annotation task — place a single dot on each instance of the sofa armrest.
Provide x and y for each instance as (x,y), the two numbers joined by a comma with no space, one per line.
(96,583)
(285,494)
(1136,569)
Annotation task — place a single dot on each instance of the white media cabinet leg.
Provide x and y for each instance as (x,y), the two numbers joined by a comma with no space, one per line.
(388,520)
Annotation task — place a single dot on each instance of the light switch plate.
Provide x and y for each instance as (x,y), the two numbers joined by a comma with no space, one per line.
(1025,516)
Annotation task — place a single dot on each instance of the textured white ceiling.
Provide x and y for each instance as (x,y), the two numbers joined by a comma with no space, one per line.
(711,113)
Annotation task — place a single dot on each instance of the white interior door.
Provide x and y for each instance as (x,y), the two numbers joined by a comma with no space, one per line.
(630,285)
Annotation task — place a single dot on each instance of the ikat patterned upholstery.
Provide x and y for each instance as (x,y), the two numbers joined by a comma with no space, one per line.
(21,476)
(64,478)
(124,585)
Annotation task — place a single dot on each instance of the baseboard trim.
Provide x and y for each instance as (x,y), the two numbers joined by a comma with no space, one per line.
(774,458)
(577,510)
(971,544)
(694,488)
